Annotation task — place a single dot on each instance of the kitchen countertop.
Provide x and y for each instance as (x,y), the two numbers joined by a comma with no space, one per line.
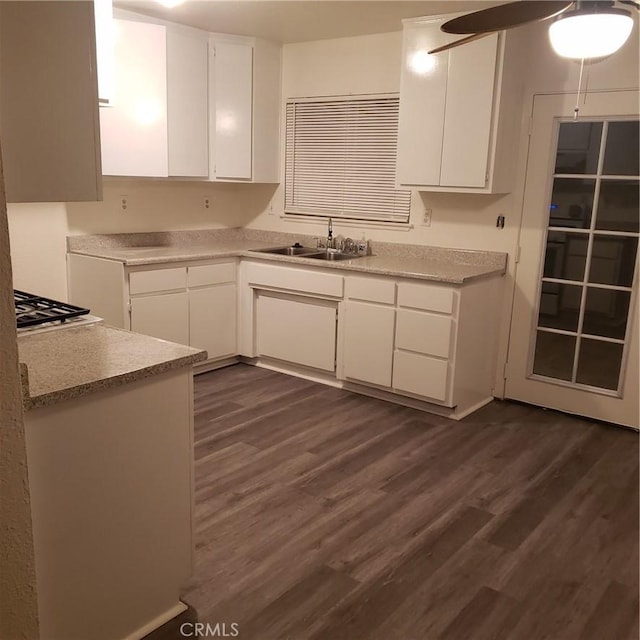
(452,266)
(68,363)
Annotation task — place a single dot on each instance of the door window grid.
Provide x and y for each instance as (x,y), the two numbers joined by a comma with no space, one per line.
(579,337)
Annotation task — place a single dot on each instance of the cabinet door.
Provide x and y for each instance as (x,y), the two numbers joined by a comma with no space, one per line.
(187,102)
(231,99)
(423,89)
(212,320)
(49,102)
(298,331)
(368,342)
(163,316)
(468,113)
(134,130)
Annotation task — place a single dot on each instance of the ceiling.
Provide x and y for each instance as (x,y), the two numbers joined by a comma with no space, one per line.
(299,21)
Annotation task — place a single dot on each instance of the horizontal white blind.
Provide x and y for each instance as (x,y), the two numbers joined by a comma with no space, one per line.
(341,159)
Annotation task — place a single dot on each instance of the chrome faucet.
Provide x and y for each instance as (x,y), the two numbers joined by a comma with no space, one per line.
(330,240)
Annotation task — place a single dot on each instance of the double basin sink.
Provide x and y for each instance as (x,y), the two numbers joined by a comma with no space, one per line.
(309,252)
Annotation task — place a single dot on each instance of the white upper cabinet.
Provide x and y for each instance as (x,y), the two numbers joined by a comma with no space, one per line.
(244,109)
(457,111)
(187,101)
(231,100)
(49,102)
(134,127)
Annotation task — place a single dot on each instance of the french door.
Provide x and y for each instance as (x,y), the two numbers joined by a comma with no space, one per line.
(574,336)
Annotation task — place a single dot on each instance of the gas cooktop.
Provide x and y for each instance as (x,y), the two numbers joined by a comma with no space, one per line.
(33,310)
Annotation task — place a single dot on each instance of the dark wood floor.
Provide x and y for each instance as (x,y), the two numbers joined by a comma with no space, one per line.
(325,515)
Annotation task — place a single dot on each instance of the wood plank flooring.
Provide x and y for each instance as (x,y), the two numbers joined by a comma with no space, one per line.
(325,515)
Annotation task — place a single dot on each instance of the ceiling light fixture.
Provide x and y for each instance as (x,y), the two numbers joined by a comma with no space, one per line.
(593,30)
(169,4)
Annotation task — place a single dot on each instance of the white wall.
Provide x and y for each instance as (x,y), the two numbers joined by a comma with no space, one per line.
(18,598)
(38,236)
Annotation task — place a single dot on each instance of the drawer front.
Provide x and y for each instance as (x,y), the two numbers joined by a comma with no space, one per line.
(300,280)
(421,375)
(157,280)
(426,296)
(370,289)
(424,332)
(205,274)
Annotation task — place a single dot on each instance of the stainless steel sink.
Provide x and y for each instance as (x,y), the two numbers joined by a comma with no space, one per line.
(308,252)
(289,251)
(330,255)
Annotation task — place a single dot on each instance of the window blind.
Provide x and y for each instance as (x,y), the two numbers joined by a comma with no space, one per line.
(341,159)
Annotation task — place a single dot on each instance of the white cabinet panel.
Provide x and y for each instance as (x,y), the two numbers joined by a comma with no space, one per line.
(368,342)
(187,102)
(157,280)
(426,296)
(424,332)
(212,320)
(371,289)
(211,274)
(301,332)
(49,102)
(232,110)
(420,375)
(422,105)
(164,316)
(314,282)
(467,123)
(134,130)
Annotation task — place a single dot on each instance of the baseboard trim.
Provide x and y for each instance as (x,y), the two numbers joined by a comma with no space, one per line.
(157,622)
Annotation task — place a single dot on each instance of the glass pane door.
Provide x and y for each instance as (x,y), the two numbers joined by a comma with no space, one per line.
(584,297)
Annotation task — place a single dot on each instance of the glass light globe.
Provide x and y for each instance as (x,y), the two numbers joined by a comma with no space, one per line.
(584,34)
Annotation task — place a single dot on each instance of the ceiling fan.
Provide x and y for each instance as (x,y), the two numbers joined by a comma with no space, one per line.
(592,28)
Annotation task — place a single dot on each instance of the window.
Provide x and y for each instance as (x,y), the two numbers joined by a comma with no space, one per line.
(590,259)
(341,159)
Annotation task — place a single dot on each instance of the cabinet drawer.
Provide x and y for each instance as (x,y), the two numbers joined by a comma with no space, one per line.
(157,280)
(420,375)
(370,289)
(424,332)
(426,296)
(301,280)
(211,274)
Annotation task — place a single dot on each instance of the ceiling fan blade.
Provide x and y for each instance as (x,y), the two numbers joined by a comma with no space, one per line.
(455,43)
(505,16)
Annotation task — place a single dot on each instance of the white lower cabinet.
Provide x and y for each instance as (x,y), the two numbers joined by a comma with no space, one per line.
(368,342)
(432,342)
(402,343)
(297,330)
(188,303)
(212,320)
(164,316)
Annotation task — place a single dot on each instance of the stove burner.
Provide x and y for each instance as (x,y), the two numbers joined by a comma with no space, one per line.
(32,310)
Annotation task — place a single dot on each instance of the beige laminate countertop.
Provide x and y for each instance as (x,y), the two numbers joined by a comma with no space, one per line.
(67,363)
(453,266)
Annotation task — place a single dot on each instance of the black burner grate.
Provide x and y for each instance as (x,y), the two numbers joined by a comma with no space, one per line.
(32,310)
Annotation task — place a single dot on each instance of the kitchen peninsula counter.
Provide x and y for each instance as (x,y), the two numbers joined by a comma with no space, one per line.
(452,266)
(68,363)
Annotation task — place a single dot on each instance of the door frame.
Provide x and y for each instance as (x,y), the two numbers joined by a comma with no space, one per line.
(547,110)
